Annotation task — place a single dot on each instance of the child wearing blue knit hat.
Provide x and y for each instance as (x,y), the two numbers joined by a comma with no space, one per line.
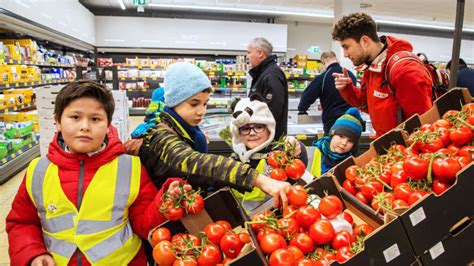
(177,147)
(155,107)
(340,144)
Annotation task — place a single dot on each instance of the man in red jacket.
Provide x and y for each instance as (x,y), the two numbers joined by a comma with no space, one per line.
(86,202)
(390,97)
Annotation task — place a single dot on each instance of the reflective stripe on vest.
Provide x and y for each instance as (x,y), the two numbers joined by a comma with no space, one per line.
(316,164)
(60,234)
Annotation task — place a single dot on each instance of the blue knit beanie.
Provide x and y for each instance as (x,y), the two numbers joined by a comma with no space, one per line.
(348,125)
(183,80)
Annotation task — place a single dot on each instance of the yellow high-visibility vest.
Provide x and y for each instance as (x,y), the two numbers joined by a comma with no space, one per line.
(100,229)
(316,164)
(253,199)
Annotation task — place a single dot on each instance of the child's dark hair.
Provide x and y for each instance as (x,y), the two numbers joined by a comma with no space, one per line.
(84,89)
(355,26)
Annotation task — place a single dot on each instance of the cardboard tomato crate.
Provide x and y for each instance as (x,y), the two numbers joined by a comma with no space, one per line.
(387,245)
(221,205)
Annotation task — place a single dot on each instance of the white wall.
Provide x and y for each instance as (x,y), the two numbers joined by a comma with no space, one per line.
(185,33)
(303,35)
(66,16)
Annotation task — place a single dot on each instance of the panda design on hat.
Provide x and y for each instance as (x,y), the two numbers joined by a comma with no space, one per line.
(251,110)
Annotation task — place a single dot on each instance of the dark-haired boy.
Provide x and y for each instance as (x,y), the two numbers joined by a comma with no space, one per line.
(388,96)
(86,202)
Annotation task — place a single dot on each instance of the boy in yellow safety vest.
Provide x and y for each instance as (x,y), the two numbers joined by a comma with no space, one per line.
(86,202)
(253,128)
(341,143)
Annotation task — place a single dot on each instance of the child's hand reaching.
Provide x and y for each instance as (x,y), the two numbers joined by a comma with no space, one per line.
(43,260)
(293,145)
(175,191)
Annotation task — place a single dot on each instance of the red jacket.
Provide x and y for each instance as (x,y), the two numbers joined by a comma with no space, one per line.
(409,80)
(23,224)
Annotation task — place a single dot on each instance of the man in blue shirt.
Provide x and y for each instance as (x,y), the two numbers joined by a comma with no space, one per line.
(465,76)
(322,87)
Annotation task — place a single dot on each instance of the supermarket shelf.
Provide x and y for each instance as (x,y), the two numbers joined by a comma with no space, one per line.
(18,85)
(140,67)
(300,77)
(17,108)
(140,79)
(226,74)
(136,111)
(31,63)
(14,163)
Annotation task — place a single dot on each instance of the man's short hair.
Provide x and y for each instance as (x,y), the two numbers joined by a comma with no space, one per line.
(262,43)
(355,26)
(84,89)
(461,63)
(328,55)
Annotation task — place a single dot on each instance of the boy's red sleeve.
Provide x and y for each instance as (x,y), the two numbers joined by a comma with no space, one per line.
(23,227)
(144,212)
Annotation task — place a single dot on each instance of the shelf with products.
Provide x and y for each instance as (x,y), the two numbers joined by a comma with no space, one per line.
(16,108)
(34,63)
(19,85)
(15,162)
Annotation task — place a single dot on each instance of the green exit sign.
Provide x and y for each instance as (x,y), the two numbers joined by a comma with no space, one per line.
(139,2)
(314,49)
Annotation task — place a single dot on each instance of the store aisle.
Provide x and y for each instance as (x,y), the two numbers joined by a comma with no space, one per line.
(7,193)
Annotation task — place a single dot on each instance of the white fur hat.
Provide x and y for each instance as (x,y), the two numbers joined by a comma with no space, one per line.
(250,111)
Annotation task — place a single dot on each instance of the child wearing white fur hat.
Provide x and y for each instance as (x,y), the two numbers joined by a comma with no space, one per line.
(177,147)
(253,129)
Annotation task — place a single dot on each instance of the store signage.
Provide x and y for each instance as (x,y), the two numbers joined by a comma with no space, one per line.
(139,2)
(314,49)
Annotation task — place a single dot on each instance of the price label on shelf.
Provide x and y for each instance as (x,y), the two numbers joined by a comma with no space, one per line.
(287,75)
(296,75)
(230,73)
(152,67)
(211,73)
(134,78)
(144,79)
(301,136)
(154,78)
(122,78)
(311,76)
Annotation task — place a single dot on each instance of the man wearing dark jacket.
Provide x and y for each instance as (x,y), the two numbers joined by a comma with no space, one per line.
(269,80)
(465,76)
(322,87)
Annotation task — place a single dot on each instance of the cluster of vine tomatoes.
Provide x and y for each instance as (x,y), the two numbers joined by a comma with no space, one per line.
(429,163)
(302,234)
(218,244)
(285,166)
(174,208)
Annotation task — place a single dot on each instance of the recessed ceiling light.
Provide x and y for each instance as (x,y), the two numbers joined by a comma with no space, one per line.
(365,5)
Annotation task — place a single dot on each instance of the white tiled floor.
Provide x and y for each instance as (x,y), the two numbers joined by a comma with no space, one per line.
(8,192)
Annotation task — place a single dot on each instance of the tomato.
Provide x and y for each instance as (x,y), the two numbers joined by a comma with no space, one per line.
(297,253)
(426,127)
(446,169)
(185,262)
(351,172)
(231,245)
(432,146)
(307,215)
(348,185)
(371,188)
(362,230)
(296,169)
(341,239)
(289,211)
(303,241)
(344,254)
(160,234)
(441,123)
(402,191)
(386,175)
(227,226)
(415,197)
(275,159)
(452,149)
(260,217)
(348,217)
(244,237)
(470,120)
(461,135)
(382,201)
(399,204)
(443,135)
(282,257)
(440,187)
(289,226)
(468,108)
(182,241)
(416,167)
(278,174)
(306,262)
(210,256)
(362,198)
(271,242)
(464,151)
(264,232)
(330,206)
(173,213)
(214,232)
(297,195)
(464,160)
(398,177)
(163,253)
(321,232)
(193,204)
(449,114)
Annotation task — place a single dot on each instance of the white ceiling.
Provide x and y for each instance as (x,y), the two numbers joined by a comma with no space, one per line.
(433,12)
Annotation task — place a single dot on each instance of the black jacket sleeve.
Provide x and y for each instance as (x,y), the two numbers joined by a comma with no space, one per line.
(275,90)
(311,93)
